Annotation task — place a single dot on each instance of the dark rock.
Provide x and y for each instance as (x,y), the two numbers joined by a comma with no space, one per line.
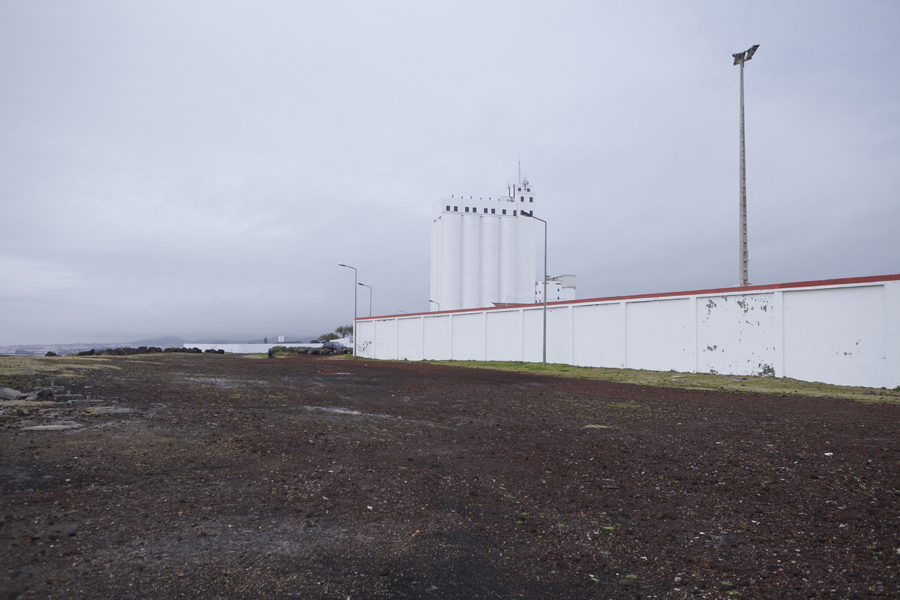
(51,353)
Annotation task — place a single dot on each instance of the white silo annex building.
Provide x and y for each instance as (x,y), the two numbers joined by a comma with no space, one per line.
(482,251)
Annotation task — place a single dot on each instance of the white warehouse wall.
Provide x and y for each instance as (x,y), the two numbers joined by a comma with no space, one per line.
(844,332)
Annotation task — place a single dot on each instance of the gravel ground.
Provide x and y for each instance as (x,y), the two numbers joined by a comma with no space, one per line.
(206,476)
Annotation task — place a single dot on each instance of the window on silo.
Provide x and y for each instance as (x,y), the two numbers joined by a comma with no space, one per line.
(467,209)
(448,209)
(493,211)
(521,198)
(531,198)
(504,211)
(455,209)
(485,211)
(514,213)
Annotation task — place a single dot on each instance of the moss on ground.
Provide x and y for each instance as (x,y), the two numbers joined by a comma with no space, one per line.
(21,371)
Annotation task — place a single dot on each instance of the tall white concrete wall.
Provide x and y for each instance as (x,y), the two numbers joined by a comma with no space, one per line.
(658,337)
(841,331)
(410,339)
(599,335)
(503,339)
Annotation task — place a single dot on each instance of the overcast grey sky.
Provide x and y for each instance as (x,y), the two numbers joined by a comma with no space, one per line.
(199,169)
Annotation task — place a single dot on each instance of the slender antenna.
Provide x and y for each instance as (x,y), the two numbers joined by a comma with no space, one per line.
(520,170)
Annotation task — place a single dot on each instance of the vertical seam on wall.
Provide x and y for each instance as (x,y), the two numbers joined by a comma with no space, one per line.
(522,329)
(885,372)
(484,325)
(780,367)
(572,334)
(695,334)
(625,331)
(451,337)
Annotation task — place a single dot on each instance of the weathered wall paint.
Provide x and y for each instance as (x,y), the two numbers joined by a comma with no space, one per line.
(844,332)
(735,334)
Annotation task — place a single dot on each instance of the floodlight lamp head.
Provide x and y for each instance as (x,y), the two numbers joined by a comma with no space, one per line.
(742,57)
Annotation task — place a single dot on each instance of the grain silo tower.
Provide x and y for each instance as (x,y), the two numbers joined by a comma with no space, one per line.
(482,251)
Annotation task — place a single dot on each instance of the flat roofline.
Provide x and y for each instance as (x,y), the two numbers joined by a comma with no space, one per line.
(706,292)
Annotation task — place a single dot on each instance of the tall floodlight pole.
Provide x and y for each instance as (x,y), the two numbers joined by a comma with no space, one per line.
(354,303)
(370,297)
(531,214)
(743,255)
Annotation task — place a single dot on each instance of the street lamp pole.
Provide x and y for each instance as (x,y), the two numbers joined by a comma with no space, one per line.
(354,303)
(743,255)
(370,297)
(436,302)
(531,214)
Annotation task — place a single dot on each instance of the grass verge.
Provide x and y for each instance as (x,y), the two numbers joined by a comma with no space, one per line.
(703,381)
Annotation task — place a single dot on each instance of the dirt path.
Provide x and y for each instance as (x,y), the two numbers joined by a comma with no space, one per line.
(307,477)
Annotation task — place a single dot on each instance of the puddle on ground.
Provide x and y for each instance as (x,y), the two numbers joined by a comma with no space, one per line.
(110,410)
(53,427)
(224,382)
(356,413)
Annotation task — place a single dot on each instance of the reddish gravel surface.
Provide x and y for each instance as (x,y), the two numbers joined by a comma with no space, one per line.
(309,477)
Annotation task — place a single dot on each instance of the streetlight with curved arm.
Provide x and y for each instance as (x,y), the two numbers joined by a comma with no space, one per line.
(354,303)
(531,215)
(370,297)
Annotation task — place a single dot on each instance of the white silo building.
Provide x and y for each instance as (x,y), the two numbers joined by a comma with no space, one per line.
(482,251)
